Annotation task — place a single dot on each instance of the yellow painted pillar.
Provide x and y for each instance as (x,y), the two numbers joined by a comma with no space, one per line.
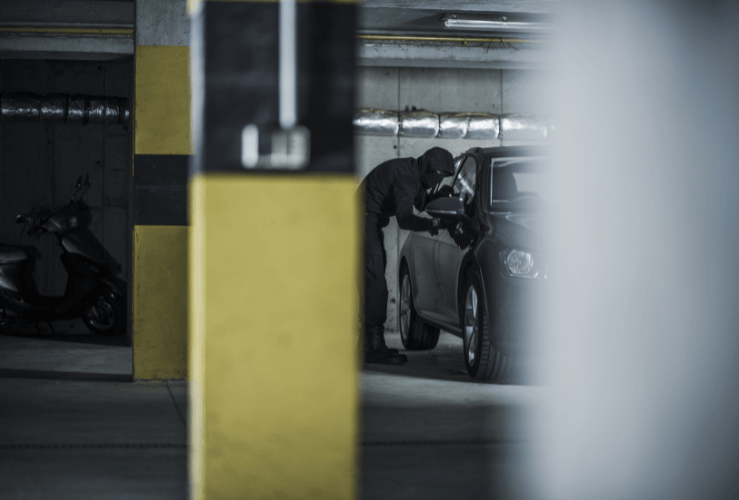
(162,147)
(275,258)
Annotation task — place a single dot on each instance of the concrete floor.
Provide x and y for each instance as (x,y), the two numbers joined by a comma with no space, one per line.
(431,432)
(74,426)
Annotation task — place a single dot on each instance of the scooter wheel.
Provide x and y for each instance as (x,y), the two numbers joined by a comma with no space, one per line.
(106,316)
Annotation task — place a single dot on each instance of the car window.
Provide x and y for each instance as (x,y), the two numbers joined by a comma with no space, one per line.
(458,162)
(447,181)
(464,183)
(520,184)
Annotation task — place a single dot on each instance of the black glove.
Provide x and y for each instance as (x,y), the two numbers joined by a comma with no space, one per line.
(436,224)
(462,235)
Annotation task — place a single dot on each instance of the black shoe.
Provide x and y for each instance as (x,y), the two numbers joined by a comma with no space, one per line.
(375,350)
(391,351)
(384,358)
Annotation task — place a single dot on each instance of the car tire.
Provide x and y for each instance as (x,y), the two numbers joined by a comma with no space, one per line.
(482,360)
(105,315)
(414,333)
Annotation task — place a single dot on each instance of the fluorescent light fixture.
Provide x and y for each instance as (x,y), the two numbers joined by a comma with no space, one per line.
(497,23)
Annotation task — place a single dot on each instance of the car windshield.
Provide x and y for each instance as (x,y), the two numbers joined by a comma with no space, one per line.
(519,185)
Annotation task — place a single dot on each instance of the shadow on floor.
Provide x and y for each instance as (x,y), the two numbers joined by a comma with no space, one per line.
(77,338)
(444,365)
(56,375)
(445,362)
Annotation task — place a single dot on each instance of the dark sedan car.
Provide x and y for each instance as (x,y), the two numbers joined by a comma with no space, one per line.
(479,279)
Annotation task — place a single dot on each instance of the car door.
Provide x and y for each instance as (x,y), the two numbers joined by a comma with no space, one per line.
(422,256)
(447,255)
(423,250)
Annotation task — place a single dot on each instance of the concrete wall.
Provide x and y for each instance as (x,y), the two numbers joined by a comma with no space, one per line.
(40,162)
(437,90)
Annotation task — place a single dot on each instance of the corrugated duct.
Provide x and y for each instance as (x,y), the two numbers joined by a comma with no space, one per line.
(64,109)
(419,124)
(524,127)
(370,121)
(376,122)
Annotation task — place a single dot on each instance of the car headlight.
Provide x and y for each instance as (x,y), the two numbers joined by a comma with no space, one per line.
(521,264)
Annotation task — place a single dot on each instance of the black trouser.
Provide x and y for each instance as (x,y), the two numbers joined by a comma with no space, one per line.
(375,286)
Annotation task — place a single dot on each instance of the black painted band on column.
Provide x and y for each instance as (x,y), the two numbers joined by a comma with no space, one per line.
(160,190)
(240,59)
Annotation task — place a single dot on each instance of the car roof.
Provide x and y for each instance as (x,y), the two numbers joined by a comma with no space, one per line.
(506,151)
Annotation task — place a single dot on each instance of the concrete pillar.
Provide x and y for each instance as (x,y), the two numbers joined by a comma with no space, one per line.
(274,259)
(162,148)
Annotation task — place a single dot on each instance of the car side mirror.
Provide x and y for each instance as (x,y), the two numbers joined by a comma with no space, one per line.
(448,207)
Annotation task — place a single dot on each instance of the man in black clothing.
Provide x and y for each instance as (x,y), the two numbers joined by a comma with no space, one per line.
(392,189)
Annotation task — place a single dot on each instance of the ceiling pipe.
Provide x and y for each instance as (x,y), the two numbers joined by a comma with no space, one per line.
(78,109)
(523,127)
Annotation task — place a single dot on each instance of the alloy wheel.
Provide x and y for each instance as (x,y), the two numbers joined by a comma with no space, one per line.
(471,324)
(405,306)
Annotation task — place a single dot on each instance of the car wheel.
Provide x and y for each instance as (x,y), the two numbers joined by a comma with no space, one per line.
(414,333)
(105,316)
(481,358)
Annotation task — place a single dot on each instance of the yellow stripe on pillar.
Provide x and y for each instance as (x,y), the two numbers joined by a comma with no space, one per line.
(274,336)
(162,100)
(160,302)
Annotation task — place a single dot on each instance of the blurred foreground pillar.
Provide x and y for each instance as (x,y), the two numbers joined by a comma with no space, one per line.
(274,252)
(641,340)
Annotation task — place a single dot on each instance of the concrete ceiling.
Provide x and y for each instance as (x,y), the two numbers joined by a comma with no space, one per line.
(67,13)
(69,29)
(384,15)
(405,32)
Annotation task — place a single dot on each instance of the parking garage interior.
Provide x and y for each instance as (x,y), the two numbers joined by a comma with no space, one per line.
(231,364)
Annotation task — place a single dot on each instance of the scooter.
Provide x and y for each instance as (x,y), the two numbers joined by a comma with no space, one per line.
(93,292)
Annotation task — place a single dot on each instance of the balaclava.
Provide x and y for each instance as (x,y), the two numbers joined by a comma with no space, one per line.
(434,165)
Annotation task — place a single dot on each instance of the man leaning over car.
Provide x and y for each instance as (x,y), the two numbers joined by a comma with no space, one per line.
(392,189)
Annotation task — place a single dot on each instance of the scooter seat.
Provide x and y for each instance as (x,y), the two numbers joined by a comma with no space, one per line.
(11,255)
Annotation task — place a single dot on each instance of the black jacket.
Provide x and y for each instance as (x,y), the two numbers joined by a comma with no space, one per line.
(391,188)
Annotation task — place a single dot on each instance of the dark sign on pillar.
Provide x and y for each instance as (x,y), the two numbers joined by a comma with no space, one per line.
(241,65)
